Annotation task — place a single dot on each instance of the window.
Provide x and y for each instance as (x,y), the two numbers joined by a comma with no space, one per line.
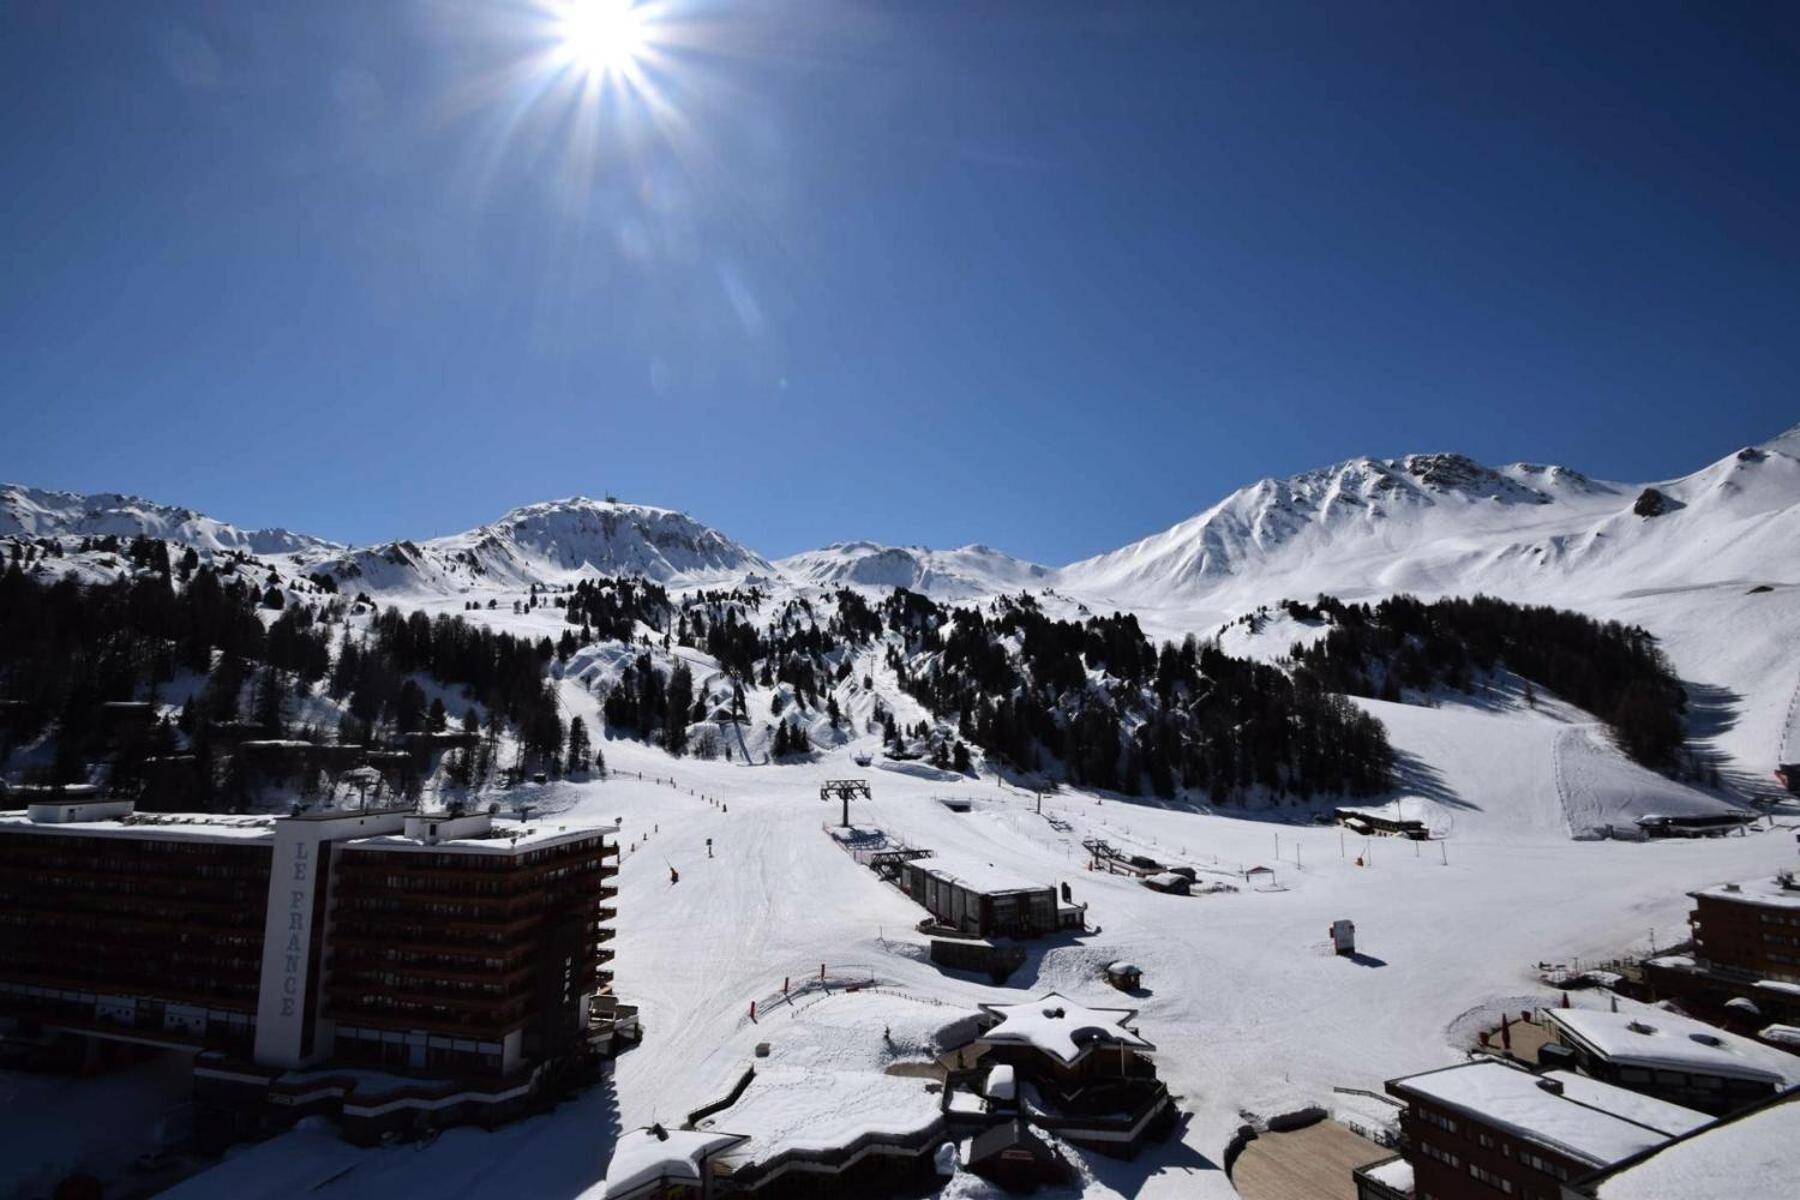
(1438,1152)
(1539,1163)
(1492,1180)
(1438,1119)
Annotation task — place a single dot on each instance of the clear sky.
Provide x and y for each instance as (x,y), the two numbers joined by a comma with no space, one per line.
(1049,275)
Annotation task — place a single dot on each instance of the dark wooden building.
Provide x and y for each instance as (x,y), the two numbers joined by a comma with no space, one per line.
(978,899)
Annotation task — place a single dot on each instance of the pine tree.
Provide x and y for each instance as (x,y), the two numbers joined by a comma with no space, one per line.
(579,747)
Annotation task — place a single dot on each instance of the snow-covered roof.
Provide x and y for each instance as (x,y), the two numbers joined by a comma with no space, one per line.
(172,827)
(1586,1120)
(1787,1035)
(1060,1027)
(1753,1157)
(1406,808)
(1001,1083)
(643,1161)
(1396,1173)
(1671,1042)
(977,874)
(1768,892)
(502,837)
(815,1111)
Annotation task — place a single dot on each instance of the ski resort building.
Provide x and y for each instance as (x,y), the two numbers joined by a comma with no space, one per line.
(1091,1078)
(1672,1057)
(1747,1156)
(1406,817)
(388,967)
(1746,947)
(979,899)
(1488,1128)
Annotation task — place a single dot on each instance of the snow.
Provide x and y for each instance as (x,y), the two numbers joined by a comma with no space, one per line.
(1401,808)
(57,1125)
(1001,1083)
(39,512)
(643,1158)
(788,1108)
(1590,1121)
(975,874)
(174,827)
(1396,1173)
(1767,892)
(1666,1040)
(1786,1035)
(949,575)
(1250,1012)
(1750,1158)
(1060,1027)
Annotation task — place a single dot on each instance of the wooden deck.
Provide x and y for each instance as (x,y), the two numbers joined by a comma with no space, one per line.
(1304,1164)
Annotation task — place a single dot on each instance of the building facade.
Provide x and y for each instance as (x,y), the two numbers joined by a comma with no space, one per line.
(1752,926)
(979,900)
(1487,1128)
(463,957)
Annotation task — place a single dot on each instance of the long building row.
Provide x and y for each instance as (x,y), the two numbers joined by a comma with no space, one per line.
(391,967)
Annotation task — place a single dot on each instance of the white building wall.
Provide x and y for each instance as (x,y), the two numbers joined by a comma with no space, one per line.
(301,845)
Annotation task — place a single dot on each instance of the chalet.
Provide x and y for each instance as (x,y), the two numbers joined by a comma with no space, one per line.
(1671,1057)
(1693,824)
(1487,1128)
(1405,817)
(978,899)
(1746,1156)
(1092,1081)
(1168,882)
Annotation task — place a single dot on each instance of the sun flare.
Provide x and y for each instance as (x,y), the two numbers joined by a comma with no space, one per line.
(603,36)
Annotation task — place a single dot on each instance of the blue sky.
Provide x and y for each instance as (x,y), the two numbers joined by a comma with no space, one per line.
(1046,275)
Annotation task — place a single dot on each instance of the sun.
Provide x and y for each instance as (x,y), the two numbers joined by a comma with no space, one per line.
(603,37)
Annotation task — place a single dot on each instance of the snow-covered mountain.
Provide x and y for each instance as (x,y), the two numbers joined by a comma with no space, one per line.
(38,512)
(960,574)
(1443,523)
(554,542)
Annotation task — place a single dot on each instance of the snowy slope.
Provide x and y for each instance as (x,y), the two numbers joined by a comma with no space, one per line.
(1245,1002)
(1436,523)
(960,574)
(37,512)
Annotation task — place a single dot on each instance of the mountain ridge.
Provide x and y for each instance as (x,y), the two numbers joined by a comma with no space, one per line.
(1420,521)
